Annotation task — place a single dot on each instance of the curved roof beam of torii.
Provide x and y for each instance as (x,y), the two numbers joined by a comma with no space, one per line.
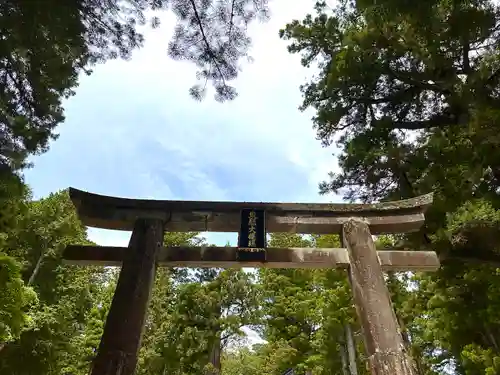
(109,212)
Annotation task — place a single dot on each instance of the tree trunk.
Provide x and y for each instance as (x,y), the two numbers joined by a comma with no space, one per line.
(493,341)
(343,358)
(36,269)
(351,350)
(215,354)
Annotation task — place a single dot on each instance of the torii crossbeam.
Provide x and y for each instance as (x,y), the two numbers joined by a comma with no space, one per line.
(149,219)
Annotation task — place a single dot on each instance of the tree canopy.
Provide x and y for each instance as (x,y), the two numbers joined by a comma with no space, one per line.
(409,93)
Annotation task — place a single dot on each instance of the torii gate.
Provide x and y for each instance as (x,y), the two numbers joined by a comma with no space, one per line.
(149,219)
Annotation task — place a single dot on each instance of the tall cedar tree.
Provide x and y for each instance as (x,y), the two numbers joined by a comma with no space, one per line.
(411,90)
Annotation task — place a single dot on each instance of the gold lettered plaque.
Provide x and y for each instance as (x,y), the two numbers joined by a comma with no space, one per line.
(252,236)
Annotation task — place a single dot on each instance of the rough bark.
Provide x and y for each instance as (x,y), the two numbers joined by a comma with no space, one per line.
(215,354)
(120,342)
(351,350)
(343,357)
(383,340)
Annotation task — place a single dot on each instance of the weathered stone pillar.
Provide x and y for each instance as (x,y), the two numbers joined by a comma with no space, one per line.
(120,342)
(383,341)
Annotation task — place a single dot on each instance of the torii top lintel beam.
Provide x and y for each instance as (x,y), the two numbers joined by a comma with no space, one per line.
(108,212)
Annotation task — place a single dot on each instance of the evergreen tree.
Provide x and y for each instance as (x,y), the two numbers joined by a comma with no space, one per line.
(65,294)
(410,91)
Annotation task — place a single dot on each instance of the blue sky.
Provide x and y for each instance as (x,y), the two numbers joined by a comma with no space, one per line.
(132,130)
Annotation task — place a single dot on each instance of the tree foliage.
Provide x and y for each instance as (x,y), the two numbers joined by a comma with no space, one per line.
(15,299)
(409,93)
(46,339)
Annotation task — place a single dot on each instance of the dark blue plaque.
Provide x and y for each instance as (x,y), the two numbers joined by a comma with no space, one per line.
(252,236)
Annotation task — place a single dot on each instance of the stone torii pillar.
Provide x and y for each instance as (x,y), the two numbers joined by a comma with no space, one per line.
(382,335)
(148,219)
(120,342)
